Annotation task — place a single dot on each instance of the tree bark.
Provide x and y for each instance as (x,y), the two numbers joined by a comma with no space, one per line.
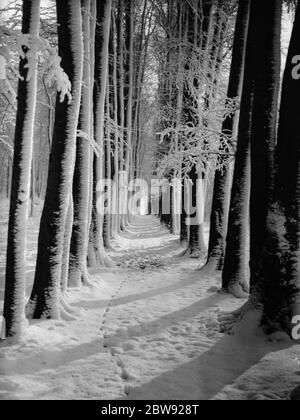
(235,271)
(115,204)
(264,127)
(221,195)
(78,272)
(275,274)
(129,79)
(97,253)
(45,301)
(15,280)
(121,111)
(108,174)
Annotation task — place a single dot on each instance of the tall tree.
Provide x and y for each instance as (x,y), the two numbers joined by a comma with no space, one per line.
(264,128)
(275,287)
(272,252)
(221,194)
(210,25)
(129,80)
(45,298)
(81,195)
(97,254)
(15,283)
(235,270)
(121,111)
(115,201)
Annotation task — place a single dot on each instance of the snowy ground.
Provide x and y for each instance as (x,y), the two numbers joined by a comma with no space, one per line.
(148,329)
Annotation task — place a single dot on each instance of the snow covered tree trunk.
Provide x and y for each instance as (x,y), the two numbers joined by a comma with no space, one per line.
(275,272)
(184,231)
(108,174)
(221,195)
(235,271)
(66,251)
(264,128)
(196,243)
(260,94)
(121,78)
(15,281)
(78,272)
(32,186)
(97,254)
(115,204)
(129,79)
(45,298)
(93,17)
(197,247)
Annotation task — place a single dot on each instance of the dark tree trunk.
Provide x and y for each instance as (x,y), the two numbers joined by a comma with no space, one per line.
(264,126)
(45,298)
(184,231)
(15,281)
(221,195)
(270,244)
(275,272)
(235,271)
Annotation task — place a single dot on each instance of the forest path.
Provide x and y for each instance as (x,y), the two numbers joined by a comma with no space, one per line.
(162,328)
(148,329)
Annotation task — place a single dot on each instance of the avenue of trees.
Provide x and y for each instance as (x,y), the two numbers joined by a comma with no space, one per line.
(194,86)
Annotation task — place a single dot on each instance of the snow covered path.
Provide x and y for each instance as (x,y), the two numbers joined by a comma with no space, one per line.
(148,329)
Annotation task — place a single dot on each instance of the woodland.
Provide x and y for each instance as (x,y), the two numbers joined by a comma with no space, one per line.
(149,209)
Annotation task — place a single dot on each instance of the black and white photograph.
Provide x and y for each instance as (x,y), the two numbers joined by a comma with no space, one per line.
(149,203)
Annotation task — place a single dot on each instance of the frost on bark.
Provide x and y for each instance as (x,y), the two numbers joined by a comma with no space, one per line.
(45,301)
(107,175)
(97,254)
(222,185)
(93,22)
(78,272)
(128,86)
(198,35)
(64,282)
(115,193)
(275,272)
(121,109)
(273,292)
(235,271)
(15,282)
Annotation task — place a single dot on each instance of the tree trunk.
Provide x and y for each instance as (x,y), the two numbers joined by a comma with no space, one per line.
(32,186)
(108,175)
(275,272)
(15,281)
(121,111)
(78,272)
(264,127)
(221,195)
(196,243)
(97,254)
(64,282)
(235,271)
(93,21)
(115,204)
(45,301)
(129,79)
